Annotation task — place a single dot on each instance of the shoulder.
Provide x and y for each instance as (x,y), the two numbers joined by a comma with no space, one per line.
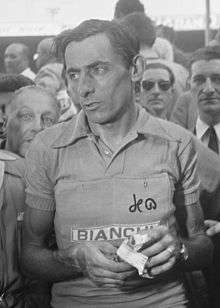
(57,132)
(55,68)
(168,130)
(16,167)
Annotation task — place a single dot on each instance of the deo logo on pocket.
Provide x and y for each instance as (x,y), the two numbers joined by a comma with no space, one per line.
(142,205)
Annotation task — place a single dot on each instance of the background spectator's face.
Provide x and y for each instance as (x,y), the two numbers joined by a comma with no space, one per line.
(156,92)
(32,111)
(14,59)
(42,57)
(205,85)
(98,79)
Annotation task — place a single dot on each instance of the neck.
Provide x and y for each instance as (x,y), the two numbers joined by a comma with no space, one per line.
(210,119)
(113,133)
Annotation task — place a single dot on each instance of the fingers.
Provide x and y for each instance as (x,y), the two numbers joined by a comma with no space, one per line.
(159,246)
(160,269)
(210,222)
(102,277)
(213,227)
(162,257)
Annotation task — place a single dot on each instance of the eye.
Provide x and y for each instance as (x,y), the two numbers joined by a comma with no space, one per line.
(99,69)
(215,78)
(48,121)
(26,117)
(199,79)
(74,75)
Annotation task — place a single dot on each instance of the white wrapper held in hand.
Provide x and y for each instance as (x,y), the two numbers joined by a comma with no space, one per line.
(129,254)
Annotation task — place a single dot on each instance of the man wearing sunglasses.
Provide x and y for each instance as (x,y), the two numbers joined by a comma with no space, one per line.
(157,89)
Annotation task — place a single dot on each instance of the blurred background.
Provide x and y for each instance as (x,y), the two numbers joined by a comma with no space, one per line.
(28,21)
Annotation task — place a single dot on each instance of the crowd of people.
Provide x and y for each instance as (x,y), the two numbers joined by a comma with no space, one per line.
(110,169)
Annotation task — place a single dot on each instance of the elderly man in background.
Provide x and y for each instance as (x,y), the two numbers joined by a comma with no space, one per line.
(107,174)
(157,90)
(31,110)
(8,85)
(16,60)
(50,77)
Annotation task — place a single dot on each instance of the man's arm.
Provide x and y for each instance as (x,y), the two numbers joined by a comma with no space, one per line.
(37,259)
(91,260)
(199,247)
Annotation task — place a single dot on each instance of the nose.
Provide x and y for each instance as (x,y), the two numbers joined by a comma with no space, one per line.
(208,88)
(86,85)
(37,125)
(156,89)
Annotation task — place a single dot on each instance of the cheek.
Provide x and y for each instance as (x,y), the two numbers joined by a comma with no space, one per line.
(120,87)
(14,134)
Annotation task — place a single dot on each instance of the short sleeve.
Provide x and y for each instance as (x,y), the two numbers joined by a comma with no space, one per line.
(187,189)
(39,187)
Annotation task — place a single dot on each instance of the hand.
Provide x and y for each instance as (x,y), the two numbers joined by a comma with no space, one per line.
(97,262)
(163,252)
(213,227)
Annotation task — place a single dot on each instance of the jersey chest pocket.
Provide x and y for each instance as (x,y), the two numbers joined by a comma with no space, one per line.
(149,198)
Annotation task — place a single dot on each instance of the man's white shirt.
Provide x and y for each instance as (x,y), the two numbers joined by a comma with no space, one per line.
(28,73)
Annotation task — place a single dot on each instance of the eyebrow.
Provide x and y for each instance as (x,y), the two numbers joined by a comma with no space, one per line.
(92,65)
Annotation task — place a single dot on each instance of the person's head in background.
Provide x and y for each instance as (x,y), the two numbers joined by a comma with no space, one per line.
(160,48)
(16,58)
(166,32)
(45,52)
(157,90)
(126,7)
(9,84)
(143,27)
(31,110)
(205,83)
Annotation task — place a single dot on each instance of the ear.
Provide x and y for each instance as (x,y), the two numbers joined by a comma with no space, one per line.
(137,68)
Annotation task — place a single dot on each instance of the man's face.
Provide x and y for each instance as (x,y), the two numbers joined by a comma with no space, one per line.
(98,79)
(156,92)
(205,85)
(32,112)
(42,57)
(14,59)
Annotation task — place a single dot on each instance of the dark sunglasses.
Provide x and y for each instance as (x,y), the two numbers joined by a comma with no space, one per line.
(163,85)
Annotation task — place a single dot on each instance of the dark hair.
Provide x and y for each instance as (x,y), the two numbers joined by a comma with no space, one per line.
(142,26)
(11,83)
(125,7)
(156,65)
(206,53)
(122,41)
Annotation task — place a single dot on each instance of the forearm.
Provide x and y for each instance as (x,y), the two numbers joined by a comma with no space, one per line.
(52,266)
(200,252)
